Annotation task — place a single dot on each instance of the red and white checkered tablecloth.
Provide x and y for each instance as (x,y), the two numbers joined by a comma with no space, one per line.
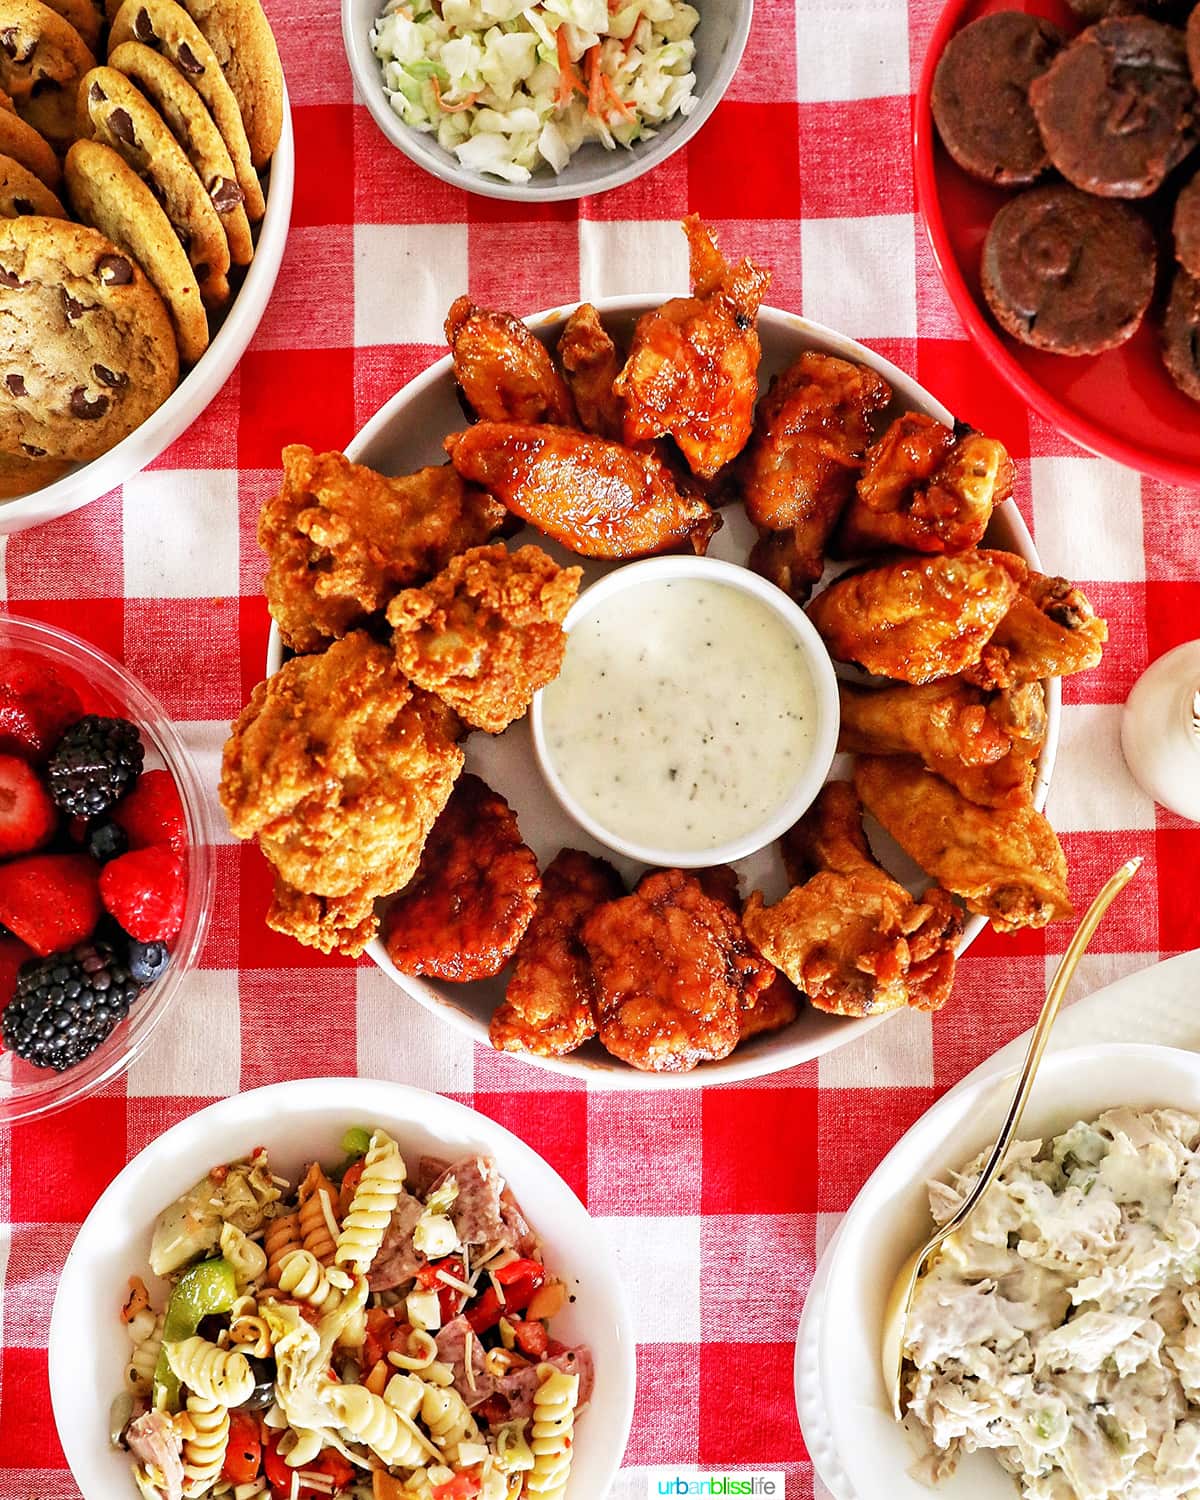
(717,1202)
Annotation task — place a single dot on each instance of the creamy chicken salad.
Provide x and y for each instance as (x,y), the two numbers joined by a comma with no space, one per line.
(1061,1328)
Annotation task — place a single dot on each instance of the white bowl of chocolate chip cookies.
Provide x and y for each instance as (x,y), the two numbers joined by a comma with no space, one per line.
(146,170)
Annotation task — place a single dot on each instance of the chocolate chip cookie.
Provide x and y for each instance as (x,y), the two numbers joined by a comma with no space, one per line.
(191,124)
(123,118)
(20,475)
(241,38)
(1186,227)
(42,58)
(980,96)
(1193,45)
(169,29)
(88,351)
(1181,334)
(107,193)
(1116,107)
(83,15)
(1067,272)
(33,151)
(21,193)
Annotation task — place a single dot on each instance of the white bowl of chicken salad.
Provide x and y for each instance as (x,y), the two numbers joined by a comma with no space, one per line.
(1053,1350)
(340,1289)
(547,100)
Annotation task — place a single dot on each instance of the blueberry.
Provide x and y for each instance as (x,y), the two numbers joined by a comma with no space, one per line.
(107,841)
(148,960)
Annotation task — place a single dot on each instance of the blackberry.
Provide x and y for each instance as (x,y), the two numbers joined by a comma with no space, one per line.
(65,1005)
(148,961)
(94,765)
(107,841)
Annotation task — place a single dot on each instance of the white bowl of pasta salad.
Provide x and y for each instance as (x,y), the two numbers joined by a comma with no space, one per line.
(339,1289)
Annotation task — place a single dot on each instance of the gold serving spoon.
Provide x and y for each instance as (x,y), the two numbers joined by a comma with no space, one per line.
(895,1318)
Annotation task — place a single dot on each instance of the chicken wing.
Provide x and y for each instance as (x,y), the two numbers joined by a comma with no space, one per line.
(504,373)
(763,1010)
(964,735)
(487,632)
(1006,863)
(547,1006)
(595,497)
(671,974)
(331,924)
(339,767)
(473,895)
(798,472)
(853,939)
(591,363)
(1051,630)
(926,488)
(916,619)
(693,369)
(343,539)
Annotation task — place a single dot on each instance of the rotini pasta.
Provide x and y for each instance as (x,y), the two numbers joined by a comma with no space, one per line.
(211,1372)
(370,1419)
(248,1330)
(319,1226)
(204,1450)
(302,1276)
(445,1413)
(373,1204)
(139,1371)
(552,1433)
(249,1260)
(282,1237)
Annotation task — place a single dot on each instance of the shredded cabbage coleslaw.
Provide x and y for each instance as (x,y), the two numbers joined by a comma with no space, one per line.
(508,86)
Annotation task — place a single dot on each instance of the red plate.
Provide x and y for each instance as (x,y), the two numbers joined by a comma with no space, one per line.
(1122,404)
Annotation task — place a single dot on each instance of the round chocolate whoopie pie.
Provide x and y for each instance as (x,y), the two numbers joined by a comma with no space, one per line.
(1186,227)
(1181,334)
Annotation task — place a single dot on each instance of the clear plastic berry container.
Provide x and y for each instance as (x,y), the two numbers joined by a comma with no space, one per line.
(105,687)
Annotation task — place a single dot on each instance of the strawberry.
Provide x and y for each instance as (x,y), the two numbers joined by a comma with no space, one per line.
(144,890)
(153,814)
(51,901)
(13,953)
(27,816)
(36,706)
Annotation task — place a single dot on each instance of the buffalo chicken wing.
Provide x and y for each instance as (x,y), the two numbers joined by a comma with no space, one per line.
(1051,630)
(591,363)
(504,373)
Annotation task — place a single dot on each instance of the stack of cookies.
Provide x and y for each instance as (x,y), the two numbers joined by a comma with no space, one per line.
(156,155)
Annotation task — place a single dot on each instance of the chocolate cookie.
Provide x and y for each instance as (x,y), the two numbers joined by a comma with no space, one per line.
(169,29)
(1193,45)
(1186,227)
(88,349)
(107,193)
(1096,10)
(244,44)
(1116,107)
(1181,334)
(981,96)
(42,58)
(192,126)
(33,151)
(1067,272)
(21,193)
(20,475)
(123,118)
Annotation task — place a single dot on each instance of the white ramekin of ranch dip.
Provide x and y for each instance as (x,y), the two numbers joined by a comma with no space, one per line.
(696,714)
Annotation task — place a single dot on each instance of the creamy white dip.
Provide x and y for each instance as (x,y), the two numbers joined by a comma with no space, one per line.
(1061,1328)
(683,714)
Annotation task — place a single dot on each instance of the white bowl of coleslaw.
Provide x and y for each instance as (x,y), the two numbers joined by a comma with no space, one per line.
(557,99)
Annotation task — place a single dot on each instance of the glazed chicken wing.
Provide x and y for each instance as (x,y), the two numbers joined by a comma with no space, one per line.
(591,363)
(595,497)
(761,1010)
(671,974)
(1050,631)
(331,924)
(504,373)
(1005,863)
(850,937)
(693,370)
(339,767)
(473,895)
(964,735)
(343,539)
(916,619)
(547,1006)
(926,488)
(798,472)
(487,632)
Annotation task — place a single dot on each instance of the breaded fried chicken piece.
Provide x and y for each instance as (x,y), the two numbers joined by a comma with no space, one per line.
(504,373)
(853,939)
(764,1010)
(693,370)
(547,1007)
(473,895)
(487,632)
(918,618)
(331,924)
(799,470)
(671,974)
(343,539)
(925,488)
(597,498)
(338,766)
(591,363)
(1005,863)
(1051,630)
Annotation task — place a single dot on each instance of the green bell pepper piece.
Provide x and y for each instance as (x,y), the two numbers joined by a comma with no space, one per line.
(209,1287)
